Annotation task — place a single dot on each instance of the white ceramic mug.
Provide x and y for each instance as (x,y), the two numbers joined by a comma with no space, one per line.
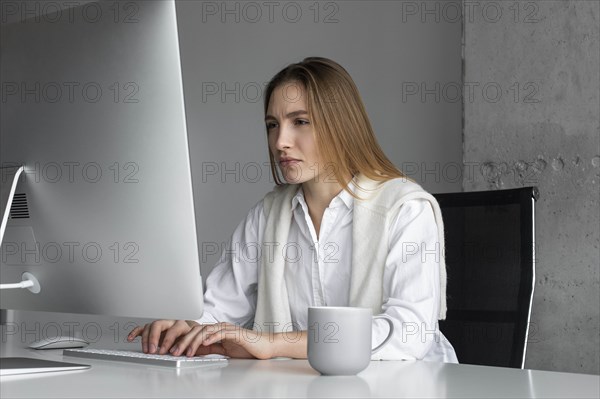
(339,339)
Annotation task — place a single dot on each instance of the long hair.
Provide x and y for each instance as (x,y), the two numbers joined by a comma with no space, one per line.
(343,132)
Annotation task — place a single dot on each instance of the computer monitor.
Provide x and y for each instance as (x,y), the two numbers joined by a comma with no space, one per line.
(92,106)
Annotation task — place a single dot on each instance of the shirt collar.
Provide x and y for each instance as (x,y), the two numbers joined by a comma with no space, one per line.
(343,198)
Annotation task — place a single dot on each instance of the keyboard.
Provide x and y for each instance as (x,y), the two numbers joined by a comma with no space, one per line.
(146,358)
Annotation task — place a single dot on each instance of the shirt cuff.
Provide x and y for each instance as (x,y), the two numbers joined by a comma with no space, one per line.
(207,318)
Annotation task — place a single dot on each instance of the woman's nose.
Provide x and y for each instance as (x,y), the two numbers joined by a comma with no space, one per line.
(284,139)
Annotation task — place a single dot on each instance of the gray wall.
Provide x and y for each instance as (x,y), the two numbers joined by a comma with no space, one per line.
(544,131)
(390,53)
(386,54)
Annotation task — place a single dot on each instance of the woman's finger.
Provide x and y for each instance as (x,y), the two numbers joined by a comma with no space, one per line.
(155,331)
(137,331)
(225,331)
(178,329)
(188,343)
(145,333)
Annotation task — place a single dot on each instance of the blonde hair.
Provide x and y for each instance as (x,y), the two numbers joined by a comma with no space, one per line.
(343,132)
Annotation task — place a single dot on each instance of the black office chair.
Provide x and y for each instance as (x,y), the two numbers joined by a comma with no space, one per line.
(489,241)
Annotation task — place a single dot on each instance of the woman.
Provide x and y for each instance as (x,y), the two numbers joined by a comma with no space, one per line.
(348,229)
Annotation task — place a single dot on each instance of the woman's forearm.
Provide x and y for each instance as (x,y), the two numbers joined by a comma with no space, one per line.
(290,344)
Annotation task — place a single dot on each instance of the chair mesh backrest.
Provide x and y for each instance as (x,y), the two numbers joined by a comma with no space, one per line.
(489,258)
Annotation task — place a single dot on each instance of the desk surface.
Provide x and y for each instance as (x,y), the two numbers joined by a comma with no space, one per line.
(291,378)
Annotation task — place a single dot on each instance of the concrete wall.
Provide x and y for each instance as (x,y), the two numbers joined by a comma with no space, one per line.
(543,129)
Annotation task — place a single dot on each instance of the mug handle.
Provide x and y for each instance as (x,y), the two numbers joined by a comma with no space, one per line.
(390,333)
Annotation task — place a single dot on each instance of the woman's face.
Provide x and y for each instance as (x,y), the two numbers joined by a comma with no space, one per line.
(291,134)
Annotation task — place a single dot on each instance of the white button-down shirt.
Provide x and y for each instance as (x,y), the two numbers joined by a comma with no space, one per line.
(318,273)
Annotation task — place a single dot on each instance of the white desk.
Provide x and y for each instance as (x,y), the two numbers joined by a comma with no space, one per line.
(292,378)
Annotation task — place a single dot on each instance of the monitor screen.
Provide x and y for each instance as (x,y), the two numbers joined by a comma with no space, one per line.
(92,106)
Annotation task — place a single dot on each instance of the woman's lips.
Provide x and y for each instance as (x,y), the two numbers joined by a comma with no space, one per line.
(289,162)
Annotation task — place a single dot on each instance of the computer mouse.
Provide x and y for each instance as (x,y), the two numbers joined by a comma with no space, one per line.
(63,342)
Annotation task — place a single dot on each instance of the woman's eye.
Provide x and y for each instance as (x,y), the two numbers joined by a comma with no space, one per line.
(297,122)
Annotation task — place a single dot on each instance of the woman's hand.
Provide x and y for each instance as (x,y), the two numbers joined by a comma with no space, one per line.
(225,339)
(189,338)
(159,336)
